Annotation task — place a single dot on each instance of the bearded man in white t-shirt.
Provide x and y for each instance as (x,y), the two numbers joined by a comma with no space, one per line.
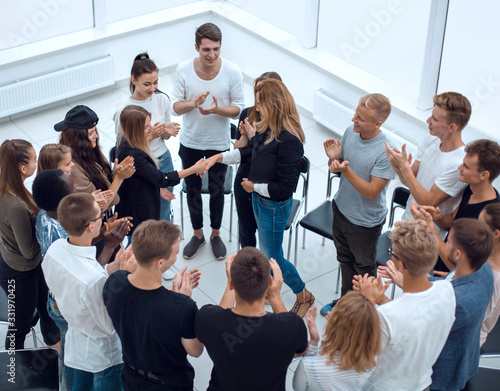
(206,128)
(433,177)
(415,326)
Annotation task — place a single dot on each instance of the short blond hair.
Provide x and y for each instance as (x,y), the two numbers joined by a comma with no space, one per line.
(458,108)
(415,245)
(353,331)
(379,104)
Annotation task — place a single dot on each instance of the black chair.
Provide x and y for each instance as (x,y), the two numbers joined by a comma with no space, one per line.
(320,221)
(399,200)
(491,347)
(4,315)
(299,203)
(488,379)
(228,189)
(30,369)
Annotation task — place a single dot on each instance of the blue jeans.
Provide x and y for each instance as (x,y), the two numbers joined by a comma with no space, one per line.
(271,217)
(109,379)
(66,375)
(165,165)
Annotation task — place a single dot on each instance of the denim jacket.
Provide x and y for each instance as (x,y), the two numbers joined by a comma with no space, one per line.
(459,360)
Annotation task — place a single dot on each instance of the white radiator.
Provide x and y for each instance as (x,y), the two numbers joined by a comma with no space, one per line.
(337,117)
(21,95)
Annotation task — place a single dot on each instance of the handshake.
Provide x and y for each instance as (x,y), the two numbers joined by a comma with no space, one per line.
(201,167)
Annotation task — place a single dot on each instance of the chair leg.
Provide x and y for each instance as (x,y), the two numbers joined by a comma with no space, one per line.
(182,215)
(393,291)
(296,241)
(33,333)
(289,243)
(338,282)
(231,220)
(323,241)
(304,239)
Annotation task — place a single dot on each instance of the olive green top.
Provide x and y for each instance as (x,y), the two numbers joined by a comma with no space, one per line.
(20,249)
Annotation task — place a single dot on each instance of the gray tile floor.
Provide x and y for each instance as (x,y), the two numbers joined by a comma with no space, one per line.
(317,264)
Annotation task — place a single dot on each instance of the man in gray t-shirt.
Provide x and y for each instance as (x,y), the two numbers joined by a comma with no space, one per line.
(359,207)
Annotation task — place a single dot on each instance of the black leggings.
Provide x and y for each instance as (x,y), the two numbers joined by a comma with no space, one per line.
(25,292)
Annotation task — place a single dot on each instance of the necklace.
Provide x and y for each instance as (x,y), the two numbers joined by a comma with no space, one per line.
(253,316)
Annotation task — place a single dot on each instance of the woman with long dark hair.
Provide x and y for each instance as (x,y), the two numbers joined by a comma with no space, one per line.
(140,194)
(21,275)
(145,93)
(275,153)
(91,170)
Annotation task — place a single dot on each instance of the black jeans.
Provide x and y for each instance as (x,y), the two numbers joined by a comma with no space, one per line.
(356,248)
(246,218)
(216,177)
(26,291)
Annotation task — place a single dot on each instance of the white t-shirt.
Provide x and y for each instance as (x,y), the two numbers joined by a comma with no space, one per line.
(440,168)
(76,279)
(211,131)
(493,310)
(159,106)
(415,328)
(315,374)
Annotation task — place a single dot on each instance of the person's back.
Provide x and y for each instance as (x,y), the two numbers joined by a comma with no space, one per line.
(155,325)
(469,245)
(250,348)
(249,353)
(415,328)
(415,325)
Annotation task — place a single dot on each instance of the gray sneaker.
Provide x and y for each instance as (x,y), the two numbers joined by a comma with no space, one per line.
(192,247)
(218,248)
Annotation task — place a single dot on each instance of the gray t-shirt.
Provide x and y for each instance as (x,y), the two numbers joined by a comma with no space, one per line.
(366,158)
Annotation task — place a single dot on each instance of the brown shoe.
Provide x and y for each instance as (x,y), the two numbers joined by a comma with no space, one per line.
(302,306)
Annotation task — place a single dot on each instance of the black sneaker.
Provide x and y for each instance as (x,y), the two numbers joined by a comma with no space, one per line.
(218,248)
(192,247)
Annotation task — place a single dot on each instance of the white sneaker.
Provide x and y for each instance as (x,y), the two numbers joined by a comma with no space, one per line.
(168,274)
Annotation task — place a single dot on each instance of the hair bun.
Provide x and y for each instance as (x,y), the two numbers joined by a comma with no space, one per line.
(142,56)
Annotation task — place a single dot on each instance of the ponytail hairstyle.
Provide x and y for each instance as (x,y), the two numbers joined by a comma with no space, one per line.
(50,156)
(133,121)
(253,115)
(13,154)
(86,156)
(143,64)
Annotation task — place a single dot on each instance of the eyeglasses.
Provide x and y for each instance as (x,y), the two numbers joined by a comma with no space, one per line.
(101,216)
(391,253)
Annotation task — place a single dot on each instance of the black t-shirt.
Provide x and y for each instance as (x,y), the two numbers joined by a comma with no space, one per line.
(249,353)
(150,324)
(466,210)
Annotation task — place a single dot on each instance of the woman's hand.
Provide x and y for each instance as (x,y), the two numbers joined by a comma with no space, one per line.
(311,325)
(172,129)
(249,129)
(199,167)
(166,194)
(248,185)
(103,198)
(125,169)
(157,131)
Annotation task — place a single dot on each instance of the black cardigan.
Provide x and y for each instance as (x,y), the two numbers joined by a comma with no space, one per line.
(140,194)
(288,151)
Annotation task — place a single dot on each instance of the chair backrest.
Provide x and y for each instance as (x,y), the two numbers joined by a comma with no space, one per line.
(4,305)
(399,199)
(112,155)
(331,177)
(486,379)
(492,344)
(304,174)
(30,369)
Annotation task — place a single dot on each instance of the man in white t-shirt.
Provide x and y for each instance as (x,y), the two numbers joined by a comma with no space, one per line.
(206,128)
(433,177)
(415,326)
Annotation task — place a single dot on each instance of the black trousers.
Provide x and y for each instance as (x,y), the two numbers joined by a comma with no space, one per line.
(246,218)
(216,178)
(356,248)
(26,290)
